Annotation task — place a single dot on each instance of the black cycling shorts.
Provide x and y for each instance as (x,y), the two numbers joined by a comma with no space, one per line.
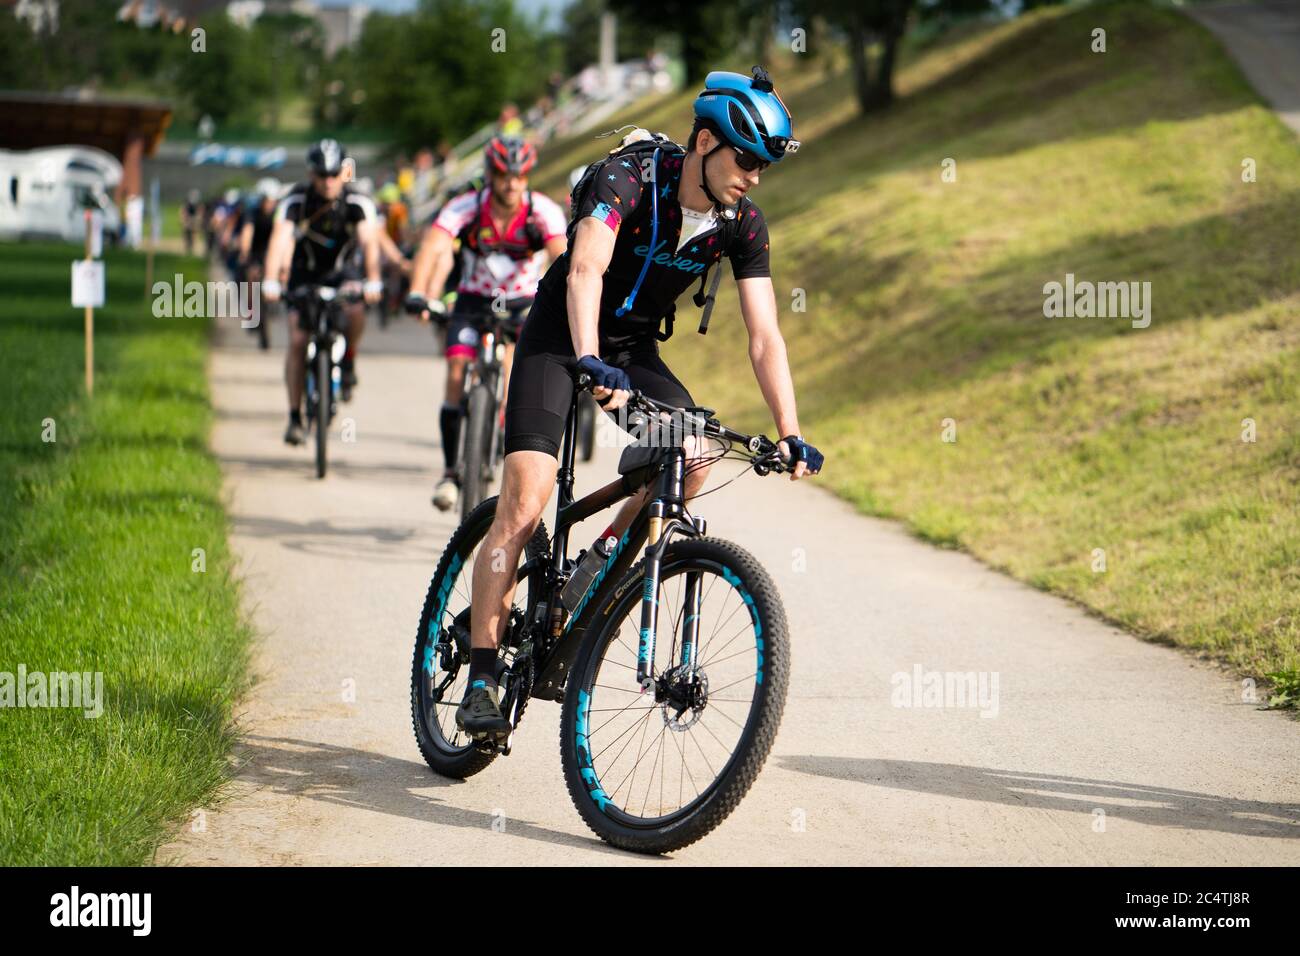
(541,387)
(471,315)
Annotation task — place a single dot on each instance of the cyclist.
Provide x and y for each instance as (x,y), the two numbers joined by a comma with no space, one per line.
(602,303)
(191,218)
(254,237)
(318,227)
(503,229)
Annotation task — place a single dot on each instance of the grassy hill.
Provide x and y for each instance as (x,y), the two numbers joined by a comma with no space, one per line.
(924,302)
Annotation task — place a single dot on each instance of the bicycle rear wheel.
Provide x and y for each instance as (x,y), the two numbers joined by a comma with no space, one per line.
(657,771)
(440,666)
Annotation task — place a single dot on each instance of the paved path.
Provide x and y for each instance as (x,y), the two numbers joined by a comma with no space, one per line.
(1264,39)
(1102,749)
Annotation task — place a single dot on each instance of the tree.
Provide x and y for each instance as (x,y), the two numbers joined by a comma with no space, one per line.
(867,25)
(444,70)
(706,29)
(231,76)
(874,30)
(580,39)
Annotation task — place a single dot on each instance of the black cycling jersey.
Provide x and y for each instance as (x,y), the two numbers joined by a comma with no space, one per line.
(325,230)
(619,198)
(262,225)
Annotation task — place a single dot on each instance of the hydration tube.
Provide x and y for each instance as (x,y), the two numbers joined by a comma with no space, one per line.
(622,310)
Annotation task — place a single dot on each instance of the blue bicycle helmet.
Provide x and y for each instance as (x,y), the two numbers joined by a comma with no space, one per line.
(747,113)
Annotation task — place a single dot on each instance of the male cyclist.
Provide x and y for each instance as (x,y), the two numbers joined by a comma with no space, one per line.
(254,237)
(318,226)
(602,303)
(503,230)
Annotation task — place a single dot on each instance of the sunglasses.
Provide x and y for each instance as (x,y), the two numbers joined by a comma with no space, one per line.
(748,161)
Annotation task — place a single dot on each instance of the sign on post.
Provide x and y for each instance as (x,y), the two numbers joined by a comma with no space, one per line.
(87,284)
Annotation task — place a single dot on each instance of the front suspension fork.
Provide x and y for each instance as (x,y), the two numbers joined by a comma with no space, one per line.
(659,536)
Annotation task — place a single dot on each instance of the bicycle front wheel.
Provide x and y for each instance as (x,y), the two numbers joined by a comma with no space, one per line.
(478,428)
(324,394)
(653,772)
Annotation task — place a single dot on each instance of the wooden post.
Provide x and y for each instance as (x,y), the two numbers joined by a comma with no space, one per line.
(148,267)
(90,320)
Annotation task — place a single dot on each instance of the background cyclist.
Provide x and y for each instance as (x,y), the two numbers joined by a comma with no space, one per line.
(503,230)
(318,226)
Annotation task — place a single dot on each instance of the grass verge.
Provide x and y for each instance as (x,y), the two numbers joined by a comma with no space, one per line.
(103,503)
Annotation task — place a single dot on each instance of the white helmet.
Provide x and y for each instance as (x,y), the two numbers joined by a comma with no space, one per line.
(267,188)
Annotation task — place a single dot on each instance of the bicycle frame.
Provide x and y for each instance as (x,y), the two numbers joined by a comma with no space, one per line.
(664,516)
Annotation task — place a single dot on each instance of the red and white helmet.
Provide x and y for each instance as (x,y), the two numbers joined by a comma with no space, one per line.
(509,154)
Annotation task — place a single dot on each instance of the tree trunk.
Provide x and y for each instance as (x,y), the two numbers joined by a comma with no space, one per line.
(858,38)
(876,88)
(696,46)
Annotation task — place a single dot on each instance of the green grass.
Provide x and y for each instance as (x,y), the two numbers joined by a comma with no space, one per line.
(924,302)
(96,573)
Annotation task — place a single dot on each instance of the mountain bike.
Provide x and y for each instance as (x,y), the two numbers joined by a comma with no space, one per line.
(320,312)
(482,434)
(671,670)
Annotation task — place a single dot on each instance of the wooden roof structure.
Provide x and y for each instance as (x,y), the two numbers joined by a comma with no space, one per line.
(32,119)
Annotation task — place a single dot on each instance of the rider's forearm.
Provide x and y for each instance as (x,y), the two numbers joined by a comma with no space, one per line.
(772,369)
(583,301)
(429,262)
(370,249)
(275,252)
(389,248)
(441,269)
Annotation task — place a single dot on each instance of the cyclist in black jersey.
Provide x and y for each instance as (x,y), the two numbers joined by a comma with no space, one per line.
(644,230)
(258,222)
(319,226)
(254,237)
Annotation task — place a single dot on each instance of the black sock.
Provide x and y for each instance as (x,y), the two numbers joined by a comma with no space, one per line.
(450,422)
(295,416)
(483,666)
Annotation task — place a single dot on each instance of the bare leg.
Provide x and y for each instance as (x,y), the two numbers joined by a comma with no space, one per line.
(455,379)
(356,326)
(525,489)
(295,362)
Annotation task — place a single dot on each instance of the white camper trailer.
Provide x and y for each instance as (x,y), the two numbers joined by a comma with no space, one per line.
(44,192)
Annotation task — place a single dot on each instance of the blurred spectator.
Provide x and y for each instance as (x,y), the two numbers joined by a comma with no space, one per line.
(509,123)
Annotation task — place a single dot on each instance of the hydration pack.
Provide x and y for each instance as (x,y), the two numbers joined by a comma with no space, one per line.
(533,241)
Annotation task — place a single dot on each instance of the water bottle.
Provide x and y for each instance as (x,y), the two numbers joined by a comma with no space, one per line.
(591,563)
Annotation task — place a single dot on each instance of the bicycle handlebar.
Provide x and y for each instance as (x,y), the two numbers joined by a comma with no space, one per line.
(764,452)
(347,292)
